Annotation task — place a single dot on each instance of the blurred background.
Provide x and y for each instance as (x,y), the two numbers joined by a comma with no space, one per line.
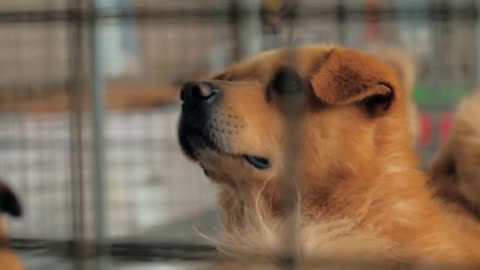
(89,107)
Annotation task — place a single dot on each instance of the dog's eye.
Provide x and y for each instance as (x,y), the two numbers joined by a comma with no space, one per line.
(285,82)
(258,162)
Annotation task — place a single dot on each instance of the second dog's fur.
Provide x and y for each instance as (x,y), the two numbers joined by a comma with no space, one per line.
(455,170)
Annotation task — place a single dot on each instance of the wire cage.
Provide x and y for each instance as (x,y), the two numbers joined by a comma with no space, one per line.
(89,110)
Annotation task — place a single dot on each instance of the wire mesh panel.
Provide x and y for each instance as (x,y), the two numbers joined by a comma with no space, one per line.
(37,142)
(67,64)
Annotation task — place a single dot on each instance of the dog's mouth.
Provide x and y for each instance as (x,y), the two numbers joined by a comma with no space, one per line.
(196,140)
(198,144)
(260,163)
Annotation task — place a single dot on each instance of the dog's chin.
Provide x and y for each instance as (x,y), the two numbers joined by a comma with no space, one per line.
(215,149)
(211,155)
(194,144)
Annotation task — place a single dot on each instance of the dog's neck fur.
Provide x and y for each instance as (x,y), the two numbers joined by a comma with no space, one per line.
(396,205)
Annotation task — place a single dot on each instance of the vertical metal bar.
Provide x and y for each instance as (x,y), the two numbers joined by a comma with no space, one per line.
(75,91)
(341,18)
(233,16)
(74,88)
(293,108)
(438,21)
(250,27)
(477,41)
(98,151)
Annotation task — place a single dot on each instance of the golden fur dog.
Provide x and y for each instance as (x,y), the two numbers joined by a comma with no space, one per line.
(455,170)
(10,205)
(359,193)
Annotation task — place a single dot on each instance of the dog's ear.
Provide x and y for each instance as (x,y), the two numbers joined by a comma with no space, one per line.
(9,202)
(400,60)
(346,77)
(404,66)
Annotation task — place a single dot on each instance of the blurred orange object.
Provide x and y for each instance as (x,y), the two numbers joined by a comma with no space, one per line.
(117,97)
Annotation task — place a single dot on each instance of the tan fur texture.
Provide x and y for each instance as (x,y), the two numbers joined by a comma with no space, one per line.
(405,68)
(404,65)
(361,195)
(455,169)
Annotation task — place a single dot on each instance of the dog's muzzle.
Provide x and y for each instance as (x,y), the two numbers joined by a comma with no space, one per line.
(199,100)
(199,95)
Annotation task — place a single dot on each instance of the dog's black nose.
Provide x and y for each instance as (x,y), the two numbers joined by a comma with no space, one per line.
(199,92)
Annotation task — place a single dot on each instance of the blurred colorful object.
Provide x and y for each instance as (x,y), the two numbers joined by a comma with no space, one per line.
(273,5)
(427,124)
(275,13)
(372,19)
(446,120)
(425,129)
(429,98)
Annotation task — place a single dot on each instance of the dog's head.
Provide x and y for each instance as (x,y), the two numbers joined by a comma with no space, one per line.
(234,122)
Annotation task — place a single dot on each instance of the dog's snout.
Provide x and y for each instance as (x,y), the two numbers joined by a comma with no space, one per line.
(199,92)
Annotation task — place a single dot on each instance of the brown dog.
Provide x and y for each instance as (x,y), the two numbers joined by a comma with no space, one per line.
(455,170)
(10,205)
(360,195)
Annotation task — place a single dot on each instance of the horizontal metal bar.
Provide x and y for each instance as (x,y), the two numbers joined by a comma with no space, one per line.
(138,252)
(387,14)
(125,250)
